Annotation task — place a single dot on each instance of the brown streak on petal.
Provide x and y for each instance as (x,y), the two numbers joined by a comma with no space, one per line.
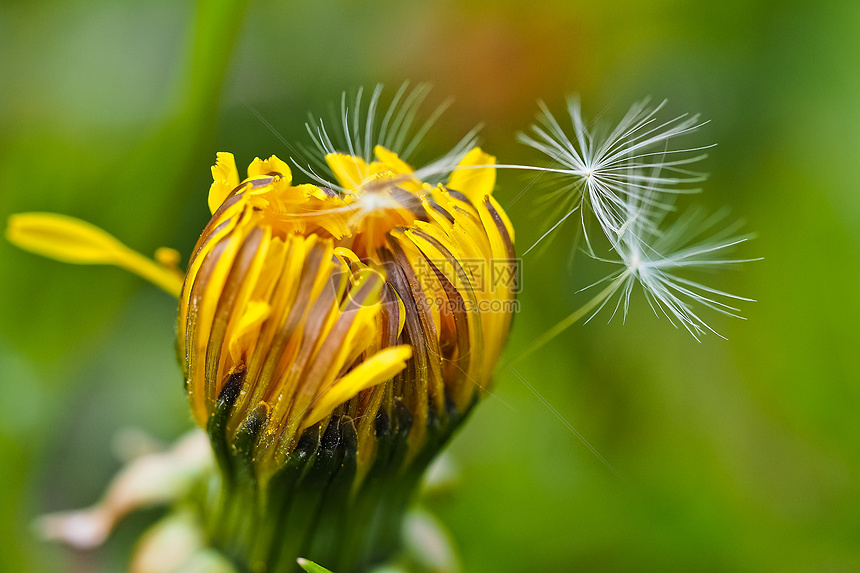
(500,225)
(226,303)
(468,352)
(197,300)
(413,383)
(294,316)
(459,196)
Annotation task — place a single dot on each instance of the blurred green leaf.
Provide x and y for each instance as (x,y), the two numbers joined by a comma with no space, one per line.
(110,118)
(311,567)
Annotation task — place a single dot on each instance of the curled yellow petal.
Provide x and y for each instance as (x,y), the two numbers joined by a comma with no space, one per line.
(380,367)
(472,181)
(251,319)
(75,241)
(225,178)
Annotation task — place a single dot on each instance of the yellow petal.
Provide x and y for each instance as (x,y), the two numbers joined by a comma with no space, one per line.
(313,191)
(349,171)
(401,313)
(380,367)
(75,241)
(218,192)
(225,178)
(506,221)
(225,168)
(255,313)
(63,238)
(391,161)
(272,165)
(347,254)
(474,183)
(167,257)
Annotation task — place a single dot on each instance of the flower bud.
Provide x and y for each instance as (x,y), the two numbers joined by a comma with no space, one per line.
(331,341)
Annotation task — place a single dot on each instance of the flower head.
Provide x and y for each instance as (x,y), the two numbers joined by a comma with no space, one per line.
(302,302)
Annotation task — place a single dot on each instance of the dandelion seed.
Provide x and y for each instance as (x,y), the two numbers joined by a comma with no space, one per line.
(631,209)
(608,168)
(358,133)
(654,258)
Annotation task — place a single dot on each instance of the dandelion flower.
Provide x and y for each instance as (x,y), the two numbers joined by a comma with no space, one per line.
(347,323)
(331,337)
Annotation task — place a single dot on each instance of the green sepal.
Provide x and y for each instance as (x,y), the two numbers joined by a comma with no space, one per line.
(216,427)
(246,440)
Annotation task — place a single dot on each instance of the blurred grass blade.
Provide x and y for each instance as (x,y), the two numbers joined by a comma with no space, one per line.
(311,567)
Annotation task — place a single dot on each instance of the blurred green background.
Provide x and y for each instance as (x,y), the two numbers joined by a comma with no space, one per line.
(736,456)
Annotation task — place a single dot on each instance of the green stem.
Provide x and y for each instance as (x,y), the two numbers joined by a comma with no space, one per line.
(573,318)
